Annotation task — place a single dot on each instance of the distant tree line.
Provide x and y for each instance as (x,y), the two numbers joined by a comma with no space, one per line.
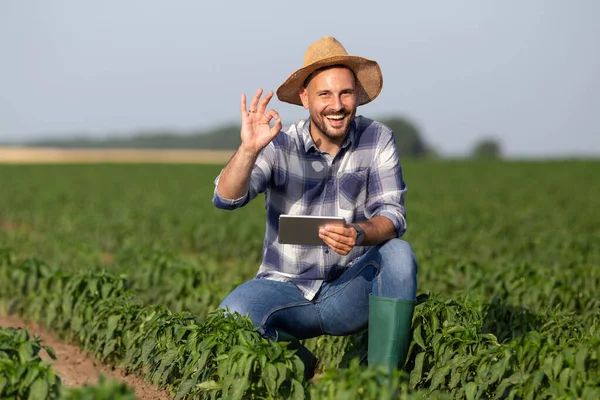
(487,148)
(408,138)
(223,138)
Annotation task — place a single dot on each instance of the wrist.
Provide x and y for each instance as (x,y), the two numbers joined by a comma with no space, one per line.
(248,152)
(360,234)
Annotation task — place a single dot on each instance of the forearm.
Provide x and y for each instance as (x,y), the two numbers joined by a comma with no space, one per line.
(378,230)
(235,177)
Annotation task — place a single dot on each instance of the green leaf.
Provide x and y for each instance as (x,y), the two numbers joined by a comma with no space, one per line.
(269,375)
(538,377)
(39,390)
(26,352)
(557,365)
(470,390)
(31,374)
(67,307)
(580,358)
(50,352)
(147,348)
(107,287)
(108,348)
(547,368)
(498,369)
(417,372)
(209,385)
(564,378)
(3,382)
(185,388)
(439,376)
(281,373)
(111,325)
(297,390)
(169,355)
(435,323)
(418,338)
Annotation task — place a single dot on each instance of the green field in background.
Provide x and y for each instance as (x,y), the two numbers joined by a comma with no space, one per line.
(507,247)
(462,217)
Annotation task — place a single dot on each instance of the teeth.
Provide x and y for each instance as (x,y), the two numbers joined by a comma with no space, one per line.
(335,116)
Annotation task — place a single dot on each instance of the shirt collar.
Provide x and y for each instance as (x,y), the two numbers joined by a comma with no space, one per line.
(308,142)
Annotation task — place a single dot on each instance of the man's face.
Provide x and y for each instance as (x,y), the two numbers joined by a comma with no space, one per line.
(331,98)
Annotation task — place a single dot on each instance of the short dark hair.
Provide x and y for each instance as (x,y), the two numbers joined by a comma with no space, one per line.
(312,74)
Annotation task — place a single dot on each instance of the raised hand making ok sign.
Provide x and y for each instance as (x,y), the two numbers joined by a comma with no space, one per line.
(257,132)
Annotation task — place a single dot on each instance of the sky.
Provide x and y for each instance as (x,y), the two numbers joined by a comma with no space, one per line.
(526,73)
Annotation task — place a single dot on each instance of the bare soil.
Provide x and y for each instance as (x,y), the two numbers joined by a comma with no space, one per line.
(35,155)
(76,368)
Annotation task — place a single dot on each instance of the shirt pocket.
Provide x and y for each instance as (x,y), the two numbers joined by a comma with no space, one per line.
(352,189)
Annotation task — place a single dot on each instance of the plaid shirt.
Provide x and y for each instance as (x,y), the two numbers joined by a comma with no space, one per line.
(362,181)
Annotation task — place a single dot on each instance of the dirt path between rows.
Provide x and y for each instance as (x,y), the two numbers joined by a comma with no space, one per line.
(76,368)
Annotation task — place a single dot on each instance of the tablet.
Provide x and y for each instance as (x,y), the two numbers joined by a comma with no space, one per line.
(304,229)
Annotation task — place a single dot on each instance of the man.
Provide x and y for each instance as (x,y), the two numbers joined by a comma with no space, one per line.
(333,164)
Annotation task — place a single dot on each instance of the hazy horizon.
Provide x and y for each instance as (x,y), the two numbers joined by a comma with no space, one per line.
(527,74)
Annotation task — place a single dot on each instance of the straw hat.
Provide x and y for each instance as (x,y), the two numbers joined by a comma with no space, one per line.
(325,52)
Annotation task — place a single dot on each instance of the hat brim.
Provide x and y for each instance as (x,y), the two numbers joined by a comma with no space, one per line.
(367,72)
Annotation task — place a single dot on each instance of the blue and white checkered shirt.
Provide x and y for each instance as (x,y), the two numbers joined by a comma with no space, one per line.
(362,181)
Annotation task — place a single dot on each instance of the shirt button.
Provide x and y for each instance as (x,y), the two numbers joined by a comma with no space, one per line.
(326,251)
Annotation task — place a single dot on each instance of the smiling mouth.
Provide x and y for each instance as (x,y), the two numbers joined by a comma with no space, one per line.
(336,120)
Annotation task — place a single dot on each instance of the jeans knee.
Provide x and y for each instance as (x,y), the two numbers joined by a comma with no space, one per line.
(234,305)
(397,255)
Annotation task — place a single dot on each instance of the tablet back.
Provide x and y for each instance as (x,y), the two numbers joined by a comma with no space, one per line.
(304,229)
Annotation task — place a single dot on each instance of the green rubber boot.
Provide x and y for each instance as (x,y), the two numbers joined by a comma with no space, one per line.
(390,321)
(307,358)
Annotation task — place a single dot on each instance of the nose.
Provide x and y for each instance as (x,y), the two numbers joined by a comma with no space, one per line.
(336,103)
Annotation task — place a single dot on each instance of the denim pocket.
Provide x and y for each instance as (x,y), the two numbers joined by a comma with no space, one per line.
(352,187)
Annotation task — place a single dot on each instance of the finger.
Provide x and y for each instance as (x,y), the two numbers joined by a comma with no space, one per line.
(277,126)
(264,102)
(337,229)
(243,109)
(339,234)
(333,240)
(272,114)
(269,115)
(339,248)
(254,103)
(342,252)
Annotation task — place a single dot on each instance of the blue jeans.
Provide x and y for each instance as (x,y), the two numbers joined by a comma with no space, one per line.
(341,307)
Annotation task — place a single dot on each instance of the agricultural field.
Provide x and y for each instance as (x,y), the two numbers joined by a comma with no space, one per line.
(129,262)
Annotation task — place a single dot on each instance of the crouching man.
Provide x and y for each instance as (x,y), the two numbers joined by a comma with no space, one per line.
(333,163)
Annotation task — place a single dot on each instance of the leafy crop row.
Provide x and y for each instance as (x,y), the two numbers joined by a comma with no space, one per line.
(223,356)
(23,374)
(455,350)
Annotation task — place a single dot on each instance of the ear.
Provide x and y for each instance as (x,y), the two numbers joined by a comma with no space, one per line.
(304,97)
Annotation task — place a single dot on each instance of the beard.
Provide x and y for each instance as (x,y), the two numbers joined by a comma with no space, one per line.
(334,131)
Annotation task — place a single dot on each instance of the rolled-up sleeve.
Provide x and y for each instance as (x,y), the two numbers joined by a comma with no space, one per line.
(386,185)
(259,181)
(227,204)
